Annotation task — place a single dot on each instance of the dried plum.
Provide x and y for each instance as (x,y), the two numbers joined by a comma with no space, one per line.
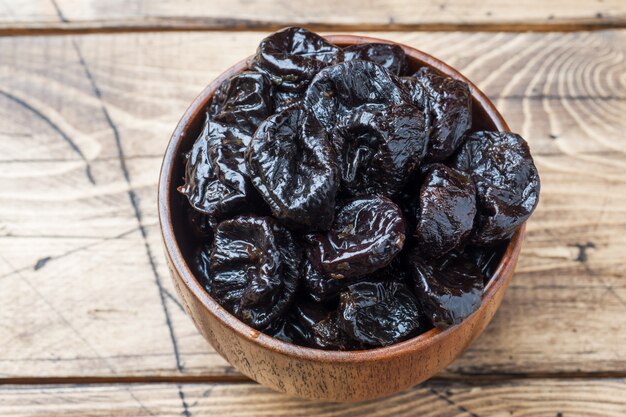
(447,206)
(387,55)
(449,289)
(286,328)
(291,57)
(340,88)
(379,313)
(365,236)
(285,99)
(507,183)
(217,100)
(318,326)
(254,268)
(321,288)
(216,179)
(487,259)
(378,147)
(227,147)
(244,101)
(293,165)
(204,189)
(448,103)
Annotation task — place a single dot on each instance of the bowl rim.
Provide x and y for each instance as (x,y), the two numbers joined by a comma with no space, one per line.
(178,263)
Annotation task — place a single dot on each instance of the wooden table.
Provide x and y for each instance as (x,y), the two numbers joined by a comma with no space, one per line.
(89,94)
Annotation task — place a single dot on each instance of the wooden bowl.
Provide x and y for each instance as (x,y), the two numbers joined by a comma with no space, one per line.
(301,371)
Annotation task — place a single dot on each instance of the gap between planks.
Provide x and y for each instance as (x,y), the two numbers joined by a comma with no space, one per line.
(237,25)
(238,378)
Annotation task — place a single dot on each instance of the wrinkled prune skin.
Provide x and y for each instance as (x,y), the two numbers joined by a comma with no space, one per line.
(389,56)
(207,192)
(245,101)
(216,178)
(447,206)
(286,99)
(293,167)
(320,287)
(449,289)
(227,147)
(254,269)
(448,103)
(487,259)
(366,235)
(340,88)
(507,183)
(323,288)
(286,328)
(291,57)
(379,313)
(318,326)
(217,100)
(378,147)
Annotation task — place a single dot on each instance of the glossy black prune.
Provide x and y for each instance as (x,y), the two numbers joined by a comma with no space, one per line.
(217,100)
(487,259)
(293,166)
(379,313)
(227,147)
(378,147)
(448,103)
(340,88)
(366,235)
(286,328)
(319,286)
(216,179)
(322,288)
(318,326)
(244,101)
(205,190)
(291,57)
(254,269)
(449,289)
(507,183)
(447,206)
(389,56)
(285,99)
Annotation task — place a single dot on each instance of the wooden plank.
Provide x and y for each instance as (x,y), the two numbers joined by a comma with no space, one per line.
(91,248)
(49,16)
(538,398)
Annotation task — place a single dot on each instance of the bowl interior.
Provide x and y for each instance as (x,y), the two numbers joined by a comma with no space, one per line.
(181,243)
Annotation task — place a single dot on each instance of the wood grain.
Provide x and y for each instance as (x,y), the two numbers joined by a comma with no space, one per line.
(540,398)
(56,16)
(84,288)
